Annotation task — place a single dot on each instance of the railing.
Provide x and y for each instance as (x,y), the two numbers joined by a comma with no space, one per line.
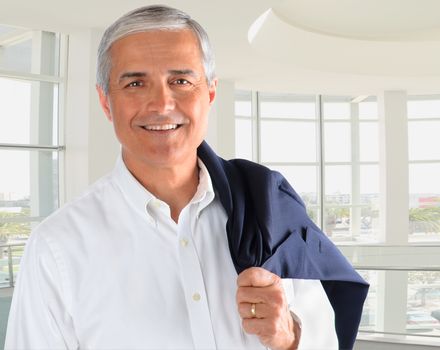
(10,261)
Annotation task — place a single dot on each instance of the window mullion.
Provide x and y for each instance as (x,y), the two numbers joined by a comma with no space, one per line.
(355,221)
(320,157)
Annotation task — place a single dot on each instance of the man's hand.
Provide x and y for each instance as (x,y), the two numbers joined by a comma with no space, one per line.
(270,318)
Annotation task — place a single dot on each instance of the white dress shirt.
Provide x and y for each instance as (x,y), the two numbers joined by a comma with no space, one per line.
(112,270)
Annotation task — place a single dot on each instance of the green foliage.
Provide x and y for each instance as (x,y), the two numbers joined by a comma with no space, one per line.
(9,228)
(425,219)
(334,213)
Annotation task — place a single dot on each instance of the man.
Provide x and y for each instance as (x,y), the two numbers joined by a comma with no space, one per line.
(143,259)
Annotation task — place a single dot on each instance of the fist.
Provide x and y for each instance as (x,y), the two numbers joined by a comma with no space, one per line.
(264,310)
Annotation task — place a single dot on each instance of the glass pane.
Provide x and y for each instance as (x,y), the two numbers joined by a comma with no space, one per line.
(8,272)
(243,103)
(288,141)
(28,112)
(369,312)
(304,180)
(424,211)
(369,141)
(368,110)
(337,142)
(336,108)
(337,206)
(338,184)
(423,313)
(287,106)
(402,302)
(243,139)
(25,198)
(366,215)
(423,140)
(28,51)
(424,108)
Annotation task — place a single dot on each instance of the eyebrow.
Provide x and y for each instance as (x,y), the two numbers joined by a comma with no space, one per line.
(129,75)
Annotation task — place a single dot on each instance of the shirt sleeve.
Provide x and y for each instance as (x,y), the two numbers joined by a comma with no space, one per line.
(38,318)
(307,299)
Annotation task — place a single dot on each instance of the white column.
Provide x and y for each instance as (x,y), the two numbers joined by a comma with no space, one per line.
(225,119)
(393,131)
(391,291)
(391,300)
(77,114)
(91,147)
(104,147)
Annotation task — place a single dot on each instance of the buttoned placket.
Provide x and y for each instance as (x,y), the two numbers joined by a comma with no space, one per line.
(193,283)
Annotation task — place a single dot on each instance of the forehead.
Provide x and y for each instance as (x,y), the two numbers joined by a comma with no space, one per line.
(159,46)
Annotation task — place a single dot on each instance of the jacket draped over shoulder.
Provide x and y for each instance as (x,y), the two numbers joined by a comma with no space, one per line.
(268,227)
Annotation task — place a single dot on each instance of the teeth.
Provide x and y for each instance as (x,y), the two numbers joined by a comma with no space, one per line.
(161,127)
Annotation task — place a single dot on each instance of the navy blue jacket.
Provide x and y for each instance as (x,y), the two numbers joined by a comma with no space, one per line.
(268,226)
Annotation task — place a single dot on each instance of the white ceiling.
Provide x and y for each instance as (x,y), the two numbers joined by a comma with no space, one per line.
(303,46)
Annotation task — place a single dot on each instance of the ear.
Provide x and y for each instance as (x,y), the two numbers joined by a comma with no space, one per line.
(212,90)
(104,102)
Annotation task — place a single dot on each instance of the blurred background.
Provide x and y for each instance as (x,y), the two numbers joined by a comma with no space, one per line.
(340,96)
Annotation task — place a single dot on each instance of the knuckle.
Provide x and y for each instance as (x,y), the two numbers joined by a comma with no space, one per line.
(241,310)
(277,298)
(239,294)
(277,312)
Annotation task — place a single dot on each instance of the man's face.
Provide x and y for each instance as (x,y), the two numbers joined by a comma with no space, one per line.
(158,98)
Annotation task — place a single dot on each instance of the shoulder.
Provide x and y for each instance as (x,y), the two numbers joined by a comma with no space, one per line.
(254,170)
(80,211)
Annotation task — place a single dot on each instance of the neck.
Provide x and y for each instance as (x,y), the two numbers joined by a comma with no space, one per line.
(175,185)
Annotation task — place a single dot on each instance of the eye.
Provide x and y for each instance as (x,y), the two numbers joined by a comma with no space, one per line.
(181,82)
(136,83)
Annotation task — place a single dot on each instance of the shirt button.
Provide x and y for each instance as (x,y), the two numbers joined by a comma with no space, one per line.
(156,203)
(196,297)
(184,242)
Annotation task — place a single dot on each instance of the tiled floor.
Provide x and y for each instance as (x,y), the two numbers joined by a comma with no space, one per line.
(5,303)
(6,292)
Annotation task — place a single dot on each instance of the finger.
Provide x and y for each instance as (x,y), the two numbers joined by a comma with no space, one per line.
(253,325)
(274,294)
(256,277)
(260,326)
(261,310)
(253,294)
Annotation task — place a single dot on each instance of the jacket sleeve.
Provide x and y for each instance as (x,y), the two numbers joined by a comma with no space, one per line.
(38,318)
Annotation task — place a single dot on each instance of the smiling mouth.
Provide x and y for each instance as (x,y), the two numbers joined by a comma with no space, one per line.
(163,127)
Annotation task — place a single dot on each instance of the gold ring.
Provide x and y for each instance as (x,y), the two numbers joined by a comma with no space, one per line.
(254,310)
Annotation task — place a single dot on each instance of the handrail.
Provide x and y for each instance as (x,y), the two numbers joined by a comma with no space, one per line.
(11,260)
(13,245)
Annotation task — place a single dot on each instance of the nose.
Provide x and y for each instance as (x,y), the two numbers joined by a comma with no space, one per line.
(160,98)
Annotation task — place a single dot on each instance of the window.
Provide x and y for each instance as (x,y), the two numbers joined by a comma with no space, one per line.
(31,86)
(328,147)
(424,168)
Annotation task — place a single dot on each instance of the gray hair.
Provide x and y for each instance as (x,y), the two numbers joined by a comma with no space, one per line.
(150,18)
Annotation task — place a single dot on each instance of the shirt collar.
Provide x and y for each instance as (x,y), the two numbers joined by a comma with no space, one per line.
(142,199)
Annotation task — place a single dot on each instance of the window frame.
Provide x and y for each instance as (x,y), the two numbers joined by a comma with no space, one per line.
(58,79)
(392,255)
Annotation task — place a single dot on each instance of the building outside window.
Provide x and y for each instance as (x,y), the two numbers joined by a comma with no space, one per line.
(31,151)
(424,168)
(329,148)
